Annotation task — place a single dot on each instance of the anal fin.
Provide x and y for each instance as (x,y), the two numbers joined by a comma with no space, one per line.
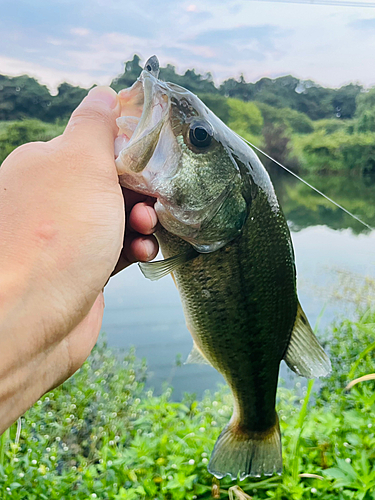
(196,357)
(305,355)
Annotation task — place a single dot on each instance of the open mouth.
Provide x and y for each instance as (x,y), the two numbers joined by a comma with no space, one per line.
(144,110)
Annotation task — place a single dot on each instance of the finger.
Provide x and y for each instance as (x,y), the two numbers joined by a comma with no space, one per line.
(137,248)
(131,198)
(92,127)
(143,219)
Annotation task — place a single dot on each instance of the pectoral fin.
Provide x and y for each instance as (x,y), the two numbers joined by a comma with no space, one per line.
(160,268)
(196,357)
(305,355)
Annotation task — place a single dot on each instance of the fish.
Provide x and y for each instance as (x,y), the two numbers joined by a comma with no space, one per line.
(226,242)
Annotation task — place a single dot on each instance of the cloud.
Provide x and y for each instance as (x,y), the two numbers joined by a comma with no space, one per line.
(244,43)
(363,24)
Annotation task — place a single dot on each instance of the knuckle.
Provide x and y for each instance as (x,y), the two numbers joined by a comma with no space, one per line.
(94,114)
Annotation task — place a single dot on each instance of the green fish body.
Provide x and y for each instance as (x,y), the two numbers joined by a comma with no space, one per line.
(228,246)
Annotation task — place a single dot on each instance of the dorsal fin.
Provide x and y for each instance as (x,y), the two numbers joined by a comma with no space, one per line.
(305,355)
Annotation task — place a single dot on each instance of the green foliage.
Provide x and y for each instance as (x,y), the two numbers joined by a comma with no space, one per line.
(303,207)
(65,102)
(321,152)
(344,100)
(294,121)
(132,71)
(244,117)
(329,125)
(102,435)
(218,105)
(365,112)
(14,134)
(21,97)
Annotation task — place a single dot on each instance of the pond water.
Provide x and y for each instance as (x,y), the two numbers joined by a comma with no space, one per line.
(333,255)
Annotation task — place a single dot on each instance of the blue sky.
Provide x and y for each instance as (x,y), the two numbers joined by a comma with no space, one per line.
(85,42)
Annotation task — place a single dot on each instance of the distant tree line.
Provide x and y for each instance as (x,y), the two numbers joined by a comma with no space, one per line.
(23,97)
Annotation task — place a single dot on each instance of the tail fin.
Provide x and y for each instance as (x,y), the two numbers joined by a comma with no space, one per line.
(246,453)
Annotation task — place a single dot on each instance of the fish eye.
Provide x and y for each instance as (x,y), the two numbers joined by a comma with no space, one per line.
(199,136)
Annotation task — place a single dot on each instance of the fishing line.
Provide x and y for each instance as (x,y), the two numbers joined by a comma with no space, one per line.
(308,184)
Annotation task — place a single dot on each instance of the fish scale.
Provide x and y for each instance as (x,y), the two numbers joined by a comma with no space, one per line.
(227,243)
(244,325)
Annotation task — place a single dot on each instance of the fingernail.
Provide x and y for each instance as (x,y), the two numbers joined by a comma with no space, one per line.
(153,218)
(103,94)
(149,247)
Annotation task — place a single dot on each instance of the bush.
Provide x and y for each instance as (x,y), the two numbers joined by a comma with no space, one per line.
(14,134)
(102,435)
(338,151)
(244,117)
(295,121)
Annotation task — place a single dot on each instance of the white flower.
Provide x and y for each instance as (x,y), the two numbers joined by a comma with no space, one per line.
(48,449)
(347,460)
(34,462)
(205,460)
(53,458)
(109,463)
(191,461)
(170,478)
(314,490)
(204,454)
(202,429)
(58,439)
(21,474)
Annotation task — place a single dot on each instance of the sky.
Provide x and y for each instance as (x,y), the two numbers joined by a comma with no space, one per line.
(87,41)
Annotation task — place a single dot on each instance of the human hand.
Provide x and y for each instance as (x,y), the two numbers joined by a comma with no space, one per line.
(62,224)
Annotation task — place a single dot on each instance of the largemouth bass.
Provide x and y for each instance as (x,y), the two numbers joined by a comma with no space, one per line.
(227,244)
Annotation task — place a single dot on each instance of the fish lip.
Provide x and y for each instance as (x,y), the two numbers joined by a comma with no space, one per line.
(151,88)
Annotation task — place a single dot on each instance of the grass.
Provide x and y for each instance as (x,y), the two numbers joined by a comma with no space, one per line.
(103,435)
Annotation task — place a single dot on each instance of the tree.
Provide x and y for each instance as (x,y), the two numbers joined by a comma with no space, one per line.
(218,104)
(365,113)
(244,117)
(23,97)
(237,88)
(344,100)
(131,72)
(65,102)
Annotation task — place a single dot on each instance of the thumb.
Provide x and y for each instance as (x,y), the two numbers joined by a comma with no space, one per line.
(92,126)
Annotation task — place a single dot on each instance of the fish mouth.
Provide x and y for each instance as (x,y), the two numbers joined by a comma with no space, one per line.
(144,111)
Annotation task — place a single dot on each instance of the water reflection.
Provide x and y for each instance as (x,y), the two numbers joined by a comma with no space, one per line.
(303,207)
(328,245)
